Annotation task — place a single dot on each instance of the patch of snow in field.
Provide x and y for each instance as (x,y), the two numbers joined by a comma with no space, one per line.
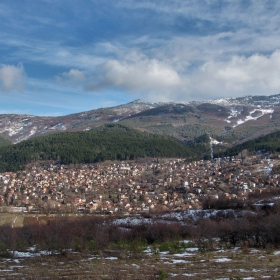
(254,251)
(148,251)
(111,258)
(189,274)
(164,252)
(223,260)
(31,253)
(135,265)
(192,249)
(243,270)
(17,266)
(186,241)
(132,221)
(24,254)
(183,255)
(276,253)
(179,261)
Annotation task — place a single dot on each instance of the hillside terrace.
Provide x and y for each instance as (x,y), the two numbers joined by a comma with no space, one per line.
(134,186)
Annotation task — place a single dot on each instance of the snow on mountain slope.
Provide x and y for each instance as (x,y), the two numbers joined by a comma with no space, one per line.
(163,117)
(254,114)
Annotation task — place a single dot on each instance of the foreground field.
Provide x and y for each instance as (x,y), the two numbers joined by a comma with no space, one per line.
(190,263)
(206,244)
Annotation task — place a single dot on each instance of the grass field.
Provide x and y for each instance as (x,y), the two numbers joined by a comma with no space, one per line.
(169,257)
(236,263)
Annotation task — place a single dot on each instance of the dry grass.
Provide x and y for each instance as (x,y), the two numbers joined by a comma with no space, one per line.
(23,219)
(12,219)
(223,264)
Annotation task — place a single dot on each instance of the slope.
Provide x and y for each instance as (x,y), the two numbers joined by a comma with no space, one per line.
(110,142)
(267,143)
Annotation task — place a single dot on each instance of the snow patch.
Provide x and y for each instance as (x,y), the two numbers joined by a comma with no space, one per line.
(117,120)
(111,258)
(214,141)
(179,261)
(234,114)
(223,260)
(59,126)
(33,130)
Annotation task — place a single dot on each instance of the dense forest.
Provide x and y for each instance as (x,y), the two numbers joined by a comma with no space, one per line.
(110,142)
(4,142)
(267,143)
(117,142)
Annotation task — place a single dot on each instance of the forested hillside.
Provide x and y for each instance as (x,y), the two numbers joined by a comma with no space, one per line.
(110,142)
(269,143)
(4,142)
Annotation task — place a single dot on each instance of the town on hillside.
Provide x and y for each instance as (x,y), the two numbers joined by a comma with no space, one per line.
(138,186)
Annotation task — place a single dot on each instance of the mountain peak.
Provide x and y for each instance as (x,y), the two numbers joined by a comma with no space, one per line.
(139,101)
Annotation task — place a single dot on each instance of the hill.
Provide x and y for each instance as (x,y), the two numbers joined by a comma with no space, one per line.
(266,143)
(110,142)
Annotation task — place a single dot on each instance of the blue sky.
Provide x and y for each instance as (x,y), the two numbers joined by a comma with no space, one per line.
(68,56)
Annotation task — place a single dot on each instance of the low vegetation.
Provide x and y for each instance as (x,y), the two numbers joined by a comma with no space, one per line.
(261,229)
(90,247)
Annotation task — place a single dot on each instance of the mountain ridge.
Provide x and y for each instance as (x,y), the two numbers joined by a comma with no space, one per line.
(233,119)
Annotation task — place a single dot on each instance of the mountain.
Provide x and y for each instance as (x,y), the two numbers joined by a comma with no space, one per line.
(229,120)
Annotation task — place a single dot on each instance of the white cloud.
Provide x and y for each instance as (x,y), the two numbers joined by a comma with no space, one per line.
(257,74)
(143,75)
(156,80)
(12,77)
(73,78)
(75,75)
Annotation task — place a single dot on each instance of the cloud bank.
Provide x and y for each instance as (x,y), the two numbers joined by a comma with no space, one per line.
(158,80)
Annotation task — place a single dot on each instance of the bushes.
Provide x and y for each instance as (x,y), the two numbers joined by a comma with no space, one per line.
(87,234)
(91,234)
(223,203)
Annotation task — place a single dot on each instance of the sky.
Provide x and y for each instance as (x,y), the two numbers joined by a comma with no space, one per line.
(69,56)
